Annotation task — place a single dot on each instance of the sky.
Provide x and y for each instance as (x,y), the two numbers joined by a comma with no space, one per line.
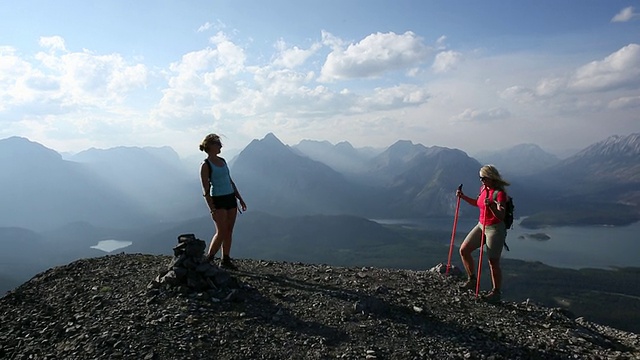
(468,74)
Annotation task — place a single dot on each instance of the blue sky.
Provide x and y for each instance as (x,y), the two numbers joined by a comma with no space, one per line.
(473,75)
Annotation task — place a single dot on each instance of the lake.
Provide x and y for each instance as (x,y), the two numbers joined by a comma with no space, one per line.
(111,245)
(568,247)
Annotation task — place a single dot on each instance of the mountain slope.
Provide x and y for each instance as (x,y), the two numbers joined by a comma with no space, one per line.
(101,308)
(342,157)
(523,159)
(599,185)
(41,190)
(421,180)
(154,178)
(274,179)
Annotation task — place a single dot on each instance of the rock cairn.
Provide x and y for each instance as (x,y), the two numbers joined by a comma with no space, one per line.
(191,274)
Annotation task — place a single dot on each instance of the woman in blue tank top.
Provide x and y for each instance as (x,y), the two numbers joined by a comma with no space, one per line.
(221,196)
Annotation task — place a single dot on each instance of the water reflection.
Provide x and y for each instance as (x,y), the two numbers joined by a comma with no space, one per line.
(111,245)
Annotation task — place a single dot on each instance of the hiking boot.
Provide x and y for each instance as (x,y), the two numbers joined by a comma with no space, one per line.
(226,263)
(493,297)
(470,284)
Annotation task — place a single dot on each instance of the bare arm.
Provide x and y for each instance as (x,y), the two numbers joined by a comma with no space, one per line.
(238,196)
(470,200)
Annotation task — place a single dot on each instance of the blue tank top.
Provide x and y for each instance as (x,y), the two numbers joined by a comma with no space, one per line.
(220,180)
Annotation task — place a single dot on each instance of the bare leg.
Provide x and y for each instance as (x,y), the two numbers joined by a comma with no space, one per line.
(467,259)
(496,273)
(469,245)
(220,221)
(231,215)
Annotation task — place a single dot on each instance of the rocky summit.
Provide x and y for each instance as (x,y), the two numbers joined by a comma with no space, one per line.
(135,306)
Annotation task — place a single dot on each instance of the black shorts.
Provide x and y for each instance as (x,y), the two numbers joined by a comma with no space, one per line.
(225,201)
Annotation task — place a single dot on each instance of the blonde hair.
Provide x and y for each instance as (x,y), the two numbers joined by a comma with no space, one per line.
(490,172)
(208,140)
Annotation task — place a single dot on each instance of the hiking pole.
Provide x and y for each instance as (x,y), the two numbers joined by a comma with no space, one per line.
(484,221)
(453,232)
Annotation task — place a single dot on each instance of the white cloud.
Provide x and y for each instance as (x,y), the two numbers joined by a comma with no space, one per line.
(446,61)
(518,94)
(373,56)
(204,27)
(618,70)
(201,78)
(53,43)
(216,86)
(475,115)
(625,102)
(624,15)
(393,98)
(550,86)
(440,43)
(291,57)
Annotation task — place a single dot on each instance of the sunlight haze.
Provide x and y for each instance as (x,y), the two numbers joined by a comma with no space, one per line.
(473,75)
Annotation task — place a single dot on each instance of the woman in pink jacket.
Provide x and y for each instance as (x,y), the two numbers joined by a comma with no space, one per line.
(491,201)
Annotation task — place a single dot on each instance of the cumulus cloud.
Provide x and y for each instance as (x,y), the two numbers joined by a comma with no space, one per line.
(550,86)
(625,102)
(201,78)
(618,70)
(57,91)
(624,15)
(475,115)
(446,61)
(291,57)
(53,43)
(519,94)
(86,78)
(218,85)
(393,98)
(373,56)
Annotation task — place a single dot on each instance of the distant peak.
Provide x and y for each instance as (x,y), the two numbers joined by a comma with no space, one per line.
(344,145)
(615,145)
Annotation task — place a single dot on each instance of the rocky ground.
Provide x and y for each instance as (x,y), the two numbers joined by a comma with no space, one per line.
(109,308)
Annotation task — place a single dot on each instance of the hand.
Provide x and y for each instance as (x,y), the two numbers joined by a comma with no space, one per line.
(243,205)
(459,193)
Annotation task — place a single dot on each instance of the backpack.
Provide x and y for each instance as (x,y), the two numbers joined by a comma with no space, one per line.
(508,214)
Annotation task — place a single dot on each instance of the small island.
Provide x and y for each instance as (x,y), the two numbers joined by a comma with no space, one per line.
(535,236)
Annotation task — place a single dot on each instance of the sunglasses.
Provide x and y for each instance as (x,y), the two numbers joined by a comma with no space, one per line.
(484,178)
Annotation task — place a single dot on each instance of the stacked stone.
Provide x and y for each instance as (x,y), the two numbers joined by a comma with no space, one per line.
(189,273)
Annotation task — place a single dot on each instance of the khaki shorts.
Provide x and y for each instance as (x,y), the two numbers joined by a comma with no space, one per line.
(495,235)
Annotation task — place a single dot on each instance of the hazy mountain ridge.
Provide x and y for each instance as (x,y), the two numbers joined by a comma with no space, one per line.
(342,157)
(430,177)
(41,190)
(155,178)
(616,158)
(149,184)
(605,170)
(281,182)
(426,181)
(597,186)
(523,159)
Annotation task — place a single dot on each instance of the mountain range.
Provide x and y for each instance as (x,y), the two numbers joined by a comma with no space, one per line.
(54,208)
